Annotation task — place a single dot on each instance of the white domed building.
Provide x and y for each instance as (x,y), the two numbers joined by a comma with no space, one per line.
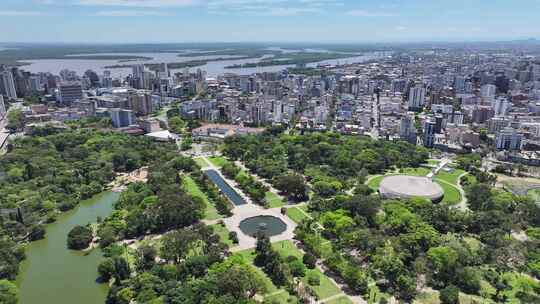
(405,186)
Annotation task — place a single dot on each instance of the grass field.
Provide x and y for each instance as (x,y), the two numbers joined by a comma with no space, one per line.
(433,298)
(340,300)
(534,194)
(375,182)
(420,171)
(296,215)
(201,162)
(223,234)
(282,297)
(274,201)
(451,177)
(326,289)
(287,248)
(191,187)
(451,193)
(218,161)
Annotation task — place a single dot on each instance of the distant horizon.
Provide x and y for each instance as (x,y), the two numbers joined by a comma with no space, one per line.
(284,42)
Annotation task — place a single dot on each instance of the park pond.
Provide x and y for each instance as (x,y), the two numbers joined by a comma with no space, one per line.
(53,274)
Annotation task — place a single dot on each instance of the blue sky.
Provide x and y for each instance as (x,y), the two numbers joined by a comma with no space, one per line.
(267,20)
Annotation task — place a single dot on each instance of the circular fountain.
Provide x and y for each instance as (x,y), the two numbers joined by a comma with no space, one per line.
(268,225)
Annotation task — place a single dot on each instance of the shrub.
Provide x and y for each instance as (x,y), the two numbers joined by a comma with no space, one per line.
(79,238)
(314,279)
(233,236)
(449,295)
(309,260)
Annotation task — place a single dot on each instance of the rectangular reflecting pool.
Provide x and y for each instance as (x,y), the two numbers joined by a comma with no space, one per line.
(229,192)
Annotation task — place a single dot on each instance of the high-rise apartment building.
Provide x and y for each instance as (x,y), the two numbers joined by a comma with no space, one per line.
(69,92)
(417,97)
(7,84)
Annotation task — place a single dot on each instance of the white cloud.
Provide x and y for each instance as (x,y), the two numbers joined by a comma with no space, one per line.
(400,28)
(139,3)
(270,7)
(364,13)
(21,13)
(131,13)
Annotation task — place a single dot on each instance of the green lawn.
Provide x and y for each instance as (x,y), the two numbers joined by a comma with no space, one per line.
(340,300)
(451,193)
(223,234)
(296,215)
(534,194)
(326,289)
(375,182)
(201,162)
(451,177)
(191,187)
(433,298)
(218,161)
(281,298)
(420,171)
(287,248)
(274,201)
(326,249)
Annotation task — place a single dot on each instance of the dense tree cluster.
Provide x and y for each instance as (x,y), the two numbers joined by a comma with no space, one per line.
(51,171)
(188,267)
(157,206)
(399,244)
(188,264)
(341,156)
(330,162)
(79,237)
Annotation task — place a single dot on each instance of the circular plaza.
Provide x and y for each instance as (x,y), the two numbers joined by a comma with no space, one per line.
(406,186)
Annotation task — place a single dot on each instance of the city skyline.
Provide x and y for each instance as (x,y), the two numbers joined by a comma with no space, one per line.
(266,20)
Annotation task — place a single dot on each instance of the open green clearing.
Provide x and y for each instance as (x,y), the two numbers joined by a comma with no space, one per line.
(433,298)
(191,187)
(452,195)
(201,162)
(223,234)
(296,215)
(340,300)
(274,201)
(326,288)
(534,194)
(287,248)
(420,171)
(218,161)
(451,177)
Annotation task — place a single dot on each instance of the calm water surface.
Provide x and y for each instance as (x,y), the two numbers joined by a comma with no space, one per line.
(213,68)
(53,274)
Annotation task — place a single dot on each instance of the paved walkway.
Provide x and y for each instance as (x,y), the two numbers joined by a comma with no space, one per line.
(243,212)
(463,204)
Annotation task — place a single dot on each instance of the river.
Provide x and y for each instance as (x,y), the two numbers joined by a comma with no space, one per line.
(212,68)
(53,274)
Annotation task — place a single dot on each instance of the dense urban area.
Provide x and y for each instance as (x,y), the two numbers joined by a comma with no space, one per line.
(410,174)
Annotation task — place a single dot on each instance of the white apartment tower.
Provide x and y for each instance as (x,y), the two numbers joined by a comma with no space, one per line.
(417,97)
